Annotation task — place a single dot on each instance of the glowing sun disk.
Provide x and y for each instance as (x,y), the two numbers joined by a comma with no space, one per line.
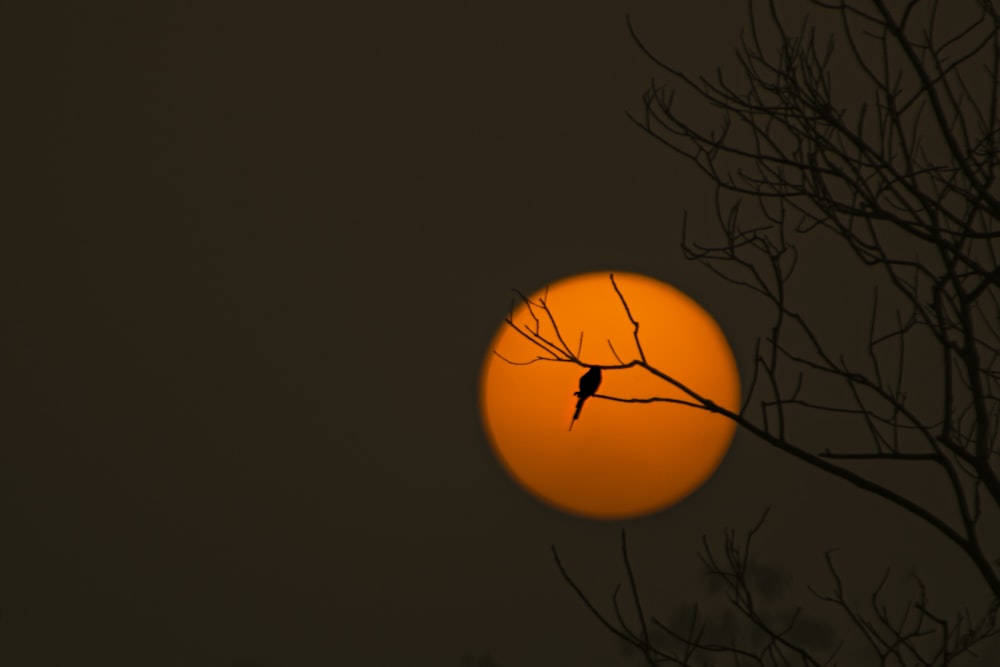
(621,459)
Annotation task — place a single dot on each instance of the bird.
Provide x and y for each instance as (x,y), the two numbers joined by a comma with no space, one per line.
(589,382)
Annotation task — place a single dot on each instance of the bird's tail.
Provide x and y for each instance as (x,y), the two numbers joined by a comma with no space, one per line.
(579,406)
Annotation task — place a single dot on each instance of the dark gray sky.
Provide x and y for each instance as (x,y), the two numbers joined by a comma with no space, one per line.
(263,252)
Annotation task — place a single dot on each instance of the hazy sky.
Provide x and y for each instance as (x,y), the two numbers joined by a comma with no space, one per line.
(265,249)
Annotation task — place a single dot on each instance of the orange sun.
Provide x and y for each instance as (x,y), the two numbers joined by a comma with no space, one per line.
(621,459)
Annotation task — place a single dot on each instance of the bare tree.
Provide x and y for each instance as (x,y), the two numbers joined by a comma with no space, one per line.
(887,148)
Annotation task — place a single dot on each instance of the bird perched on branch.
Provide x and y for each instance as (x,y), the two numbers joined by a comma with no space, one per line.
(589,382)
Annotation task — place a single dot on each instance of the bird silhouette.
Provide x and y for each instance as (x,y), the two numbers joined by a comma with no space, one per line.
(589,382)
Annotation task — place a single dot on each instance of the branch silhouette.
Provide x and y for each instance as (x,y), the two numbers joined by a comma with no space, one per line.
(559,351)
(897,172)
